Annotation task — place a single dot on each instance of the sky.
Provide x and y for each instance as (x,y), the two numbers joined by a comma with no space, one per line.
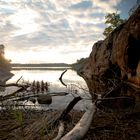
(54,31)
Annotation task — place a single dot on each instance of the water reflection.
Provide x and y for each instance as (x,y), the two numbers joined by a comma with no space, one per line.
(46,75)
(52,76)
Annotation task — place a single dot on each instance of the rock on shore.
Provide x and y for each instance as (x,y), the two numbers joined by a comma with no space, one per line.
(116,58)
(4,75)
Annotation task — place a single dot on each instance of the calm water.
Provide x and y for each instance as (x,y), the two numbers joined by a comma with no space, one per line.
(52,76)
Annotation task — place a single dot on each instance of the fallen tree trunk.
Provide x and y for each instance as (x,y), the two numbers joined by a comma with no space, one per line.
(79,131)
(60,131)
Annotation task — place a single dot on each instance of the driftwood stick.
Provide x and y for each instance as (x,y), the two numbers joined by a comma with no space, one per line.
(115,103)
(9,96)
(19,80)
(15,84)
(58,93)
(61,80)
(60,131)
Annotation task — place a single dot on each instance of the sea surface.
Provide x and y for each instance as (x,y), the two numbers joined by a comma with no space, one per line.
(75,84)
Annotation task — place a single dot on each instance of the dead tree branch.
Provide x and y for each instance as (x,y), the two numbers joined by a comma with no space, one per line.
(115,103)
(9,96)
(19,80)
(21,89)
(16,85)
(61,80)
(69,107)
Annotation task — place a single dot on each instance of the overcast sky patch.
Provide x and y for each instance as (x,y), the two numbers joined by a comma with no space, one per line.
(58,27)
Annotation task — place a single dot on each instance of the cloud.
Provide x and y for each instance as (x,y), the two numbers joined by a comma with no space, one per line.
(107,6)
(53,26)
(81,5)
(24,19)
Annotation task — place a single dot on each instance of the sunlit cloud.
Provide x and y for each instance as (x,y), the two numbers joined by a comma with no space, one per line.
(109,6)
(53,30)
(24,19)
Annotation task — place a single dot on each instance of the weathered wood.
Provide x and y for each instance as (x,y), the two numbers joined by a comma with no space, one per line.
(115,103)
(81,128)
(21,89)
(58,93)
(69,107)
(18,80)
(60,131)
(16,85)
(61,80)
(12,95)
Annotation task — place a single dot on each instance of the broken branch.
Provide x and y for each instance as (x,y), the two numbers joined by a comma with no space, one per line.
(61,80)
(19,79)
(69,107)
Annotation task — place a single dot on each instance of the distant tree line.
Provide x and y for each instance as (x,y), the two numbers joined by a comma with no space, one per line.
(79,64)
(41,65)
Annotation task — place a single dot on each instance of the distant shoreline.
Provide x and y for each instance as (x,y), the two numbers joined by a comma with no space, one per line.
(41,65)
(40,68)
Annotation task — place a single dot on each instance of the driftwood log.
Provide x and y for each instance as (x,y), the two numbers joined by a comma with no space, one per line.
(81,128)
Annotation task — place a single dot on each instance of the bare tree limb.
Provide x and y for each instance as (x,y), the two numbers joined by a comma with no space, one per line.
(9,96)
(18,80)
(22,88)
(61,80)
(69,107)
